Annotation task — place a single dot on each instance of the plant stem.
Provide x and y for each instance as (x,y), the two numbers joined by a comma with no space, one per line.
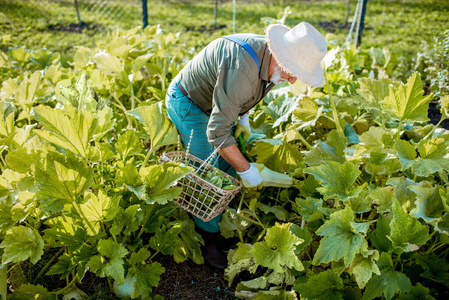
(63,290)
(398,135)
(241,201)
(47,265)
(334,109)
(120,105)
(435,127)
(397,261)
(261,235)
(444,252)
(147,157)
(152,256)
(133,102)
(303,140)
(250,220)
(434,248)
(240,236)
(3,163)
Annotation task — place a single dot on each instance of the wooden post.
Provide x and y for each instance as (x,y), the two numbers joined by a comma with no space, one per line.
(233,16)
(348,9)
(145,13)
(81,23)
(360,24)
(215,14)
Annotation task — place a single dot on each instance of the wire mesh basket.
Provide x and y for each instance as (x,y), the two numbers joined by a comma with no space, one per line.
(200,197)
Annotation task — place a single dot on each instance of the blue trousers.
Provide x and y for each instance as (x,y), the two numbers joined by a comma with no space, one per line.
(187,116)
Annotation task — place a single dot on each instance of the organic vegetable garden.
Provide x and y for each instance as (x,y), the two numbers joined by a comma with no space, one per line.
(86,203)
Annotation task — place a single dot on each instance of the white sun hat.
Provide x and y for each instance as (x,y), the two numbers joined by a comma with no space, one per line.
(298,50)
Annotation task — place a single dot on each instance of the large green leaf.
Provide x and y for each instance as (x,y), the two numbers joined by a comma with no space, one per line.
(126,221)
(378,238)
(363,267)
(374,91)
(443,224)
(435,268)
(26,94)
(241,259)
(388,283)
(277,251)
(108,64)
(307,112)
(232,224)
(429,204)
(22,243)
(323,286)
(330,150)
(128,144)
(403,194)
(160,129)
(109,261)
(340,239)
(159,180)
(310,208)
(417,292)
(406,232)
(304,234)
(444,110)
(336,179)
(66,231)
(95,210)
(375,140)
(69,129)
(407,101)
(280,109)
(147,277)
(7,128)
(61,179)
(432,154)
(277,155)
(191,242)
(383,197)
(30,291)
(166,240)
(79,96)
(22,159)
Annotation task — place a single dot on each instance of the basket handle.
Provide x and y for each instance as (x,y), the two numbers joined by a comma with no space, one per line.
(207,159)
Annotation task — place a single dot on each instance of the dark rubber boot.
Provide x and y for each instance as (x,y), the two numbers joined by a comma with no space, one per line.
(213,256)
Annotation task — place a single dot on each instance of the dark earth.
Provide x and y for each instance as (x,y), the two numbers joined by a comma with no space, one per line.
(188,280)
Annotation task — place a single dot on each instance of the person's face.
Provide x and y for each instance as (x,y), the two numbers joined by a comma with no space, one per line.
(279,75)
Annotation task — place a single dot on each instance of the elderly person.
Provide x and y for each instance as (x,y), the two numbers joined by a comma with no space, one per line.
(219,86)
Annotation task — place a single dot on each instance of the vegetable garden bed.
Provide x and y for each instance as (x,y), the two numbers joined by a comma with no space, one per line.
(85,205)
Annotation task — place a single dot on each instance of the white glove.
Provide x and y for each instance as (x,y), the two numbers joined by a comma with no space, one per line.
(251,177)
(243,127)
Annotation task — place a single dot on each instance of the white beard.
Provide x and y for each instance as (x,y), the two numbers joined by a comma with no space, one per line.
(276,76)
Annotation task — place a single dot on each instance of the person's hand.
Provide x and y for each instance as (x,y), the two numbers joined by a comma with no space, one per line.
(243,127)
(258,174)
(273,178)
(251,177)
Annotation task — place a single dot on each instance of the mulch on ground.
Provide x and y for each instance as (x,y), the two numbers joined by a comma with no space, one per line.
(187,280)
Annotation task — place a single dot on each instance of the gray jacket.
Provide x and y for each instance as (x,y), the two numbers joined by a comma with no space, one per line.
(223,80)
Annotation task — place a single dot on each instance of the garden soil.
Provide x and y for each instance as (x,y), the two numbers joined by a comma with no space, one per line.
(187,280)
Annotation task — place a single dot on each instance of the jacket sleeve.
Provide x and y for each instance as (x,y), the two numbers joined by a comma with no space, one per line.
(232,89)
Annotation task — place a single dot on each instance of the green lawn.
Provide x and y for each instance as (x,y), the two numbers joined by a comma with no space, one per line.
(398,25)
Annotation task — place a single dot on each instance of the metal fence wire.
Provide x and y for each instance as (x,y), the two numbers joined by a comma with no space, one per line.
(78,14)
